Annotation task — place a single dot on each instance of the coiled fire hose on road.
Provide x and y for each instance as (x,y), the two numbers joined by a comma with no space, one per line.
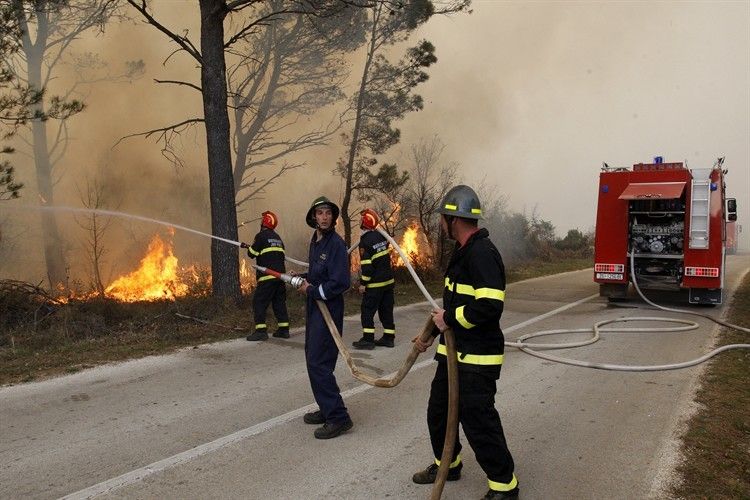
(596,329)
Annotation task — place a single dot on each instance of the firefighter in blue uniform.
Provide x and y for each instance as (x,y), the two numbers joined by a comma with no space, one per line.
(473,303)
(327,279)
(376,284)
(268,250)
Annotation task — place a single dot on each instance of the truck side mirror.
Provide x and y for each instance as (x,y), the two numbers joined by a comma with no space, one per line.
(731,209)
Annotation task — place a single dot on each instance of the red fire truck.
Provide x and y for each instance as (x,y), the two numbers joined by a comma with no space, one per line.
(673,221)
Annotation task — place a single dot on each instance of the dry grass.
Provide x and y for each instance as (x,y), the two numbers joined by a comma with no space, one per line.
(40,338)
(716,445)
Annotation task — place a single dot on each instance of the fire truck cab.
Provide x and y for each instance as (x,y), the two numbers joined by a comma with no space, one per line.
(672,220)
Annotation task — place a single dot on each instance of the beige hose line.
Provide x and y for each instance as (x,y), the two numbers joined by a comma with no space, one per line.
(452,426)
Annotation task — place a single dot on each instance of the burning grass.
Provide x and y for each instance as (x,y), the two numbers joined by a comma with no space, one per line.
(41,335)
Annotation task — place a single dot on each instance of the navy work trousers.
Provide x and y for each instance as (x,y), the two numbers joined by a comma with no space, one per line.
(321,354)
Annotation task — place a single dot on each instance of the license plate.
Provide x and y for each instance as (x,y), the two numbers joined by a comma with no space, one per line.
(609,276)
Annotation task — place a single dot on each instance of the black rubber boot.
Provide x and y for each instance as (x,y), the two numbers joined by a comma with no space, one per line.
(429,475)
(314,418)
(385,341)
(281,334)
(258,335)
(367,342)
(501,495)
(329,431)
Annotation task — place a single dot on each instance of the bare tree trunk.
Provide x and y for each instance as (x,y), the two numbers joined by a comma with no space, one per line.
(345,216)
(224,257)
(53,247)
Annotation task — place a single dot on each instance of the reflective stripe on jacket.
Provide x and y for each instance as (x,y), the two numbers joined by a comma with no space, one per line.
(473,299)
(375,260)
(268,250)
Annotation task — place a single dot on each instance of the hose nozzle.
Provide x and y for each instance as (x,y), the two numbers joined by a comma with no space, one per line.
(294,281)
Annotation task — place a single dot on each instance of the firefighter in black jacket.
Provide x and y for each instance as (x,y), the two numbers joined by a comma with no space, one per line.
(268,250)
(376,284)
(473,303)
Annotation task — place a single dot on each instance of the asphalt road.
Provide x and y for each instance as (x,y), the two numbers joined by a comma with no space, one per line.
(224,420)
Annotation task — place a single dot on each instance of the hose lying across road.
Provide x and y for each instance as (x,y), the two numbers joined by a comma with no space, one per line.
(596,329)
(529,348)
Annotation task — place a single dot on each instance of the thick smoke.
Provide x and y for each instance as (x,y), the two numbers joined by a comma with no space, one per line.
(532,96)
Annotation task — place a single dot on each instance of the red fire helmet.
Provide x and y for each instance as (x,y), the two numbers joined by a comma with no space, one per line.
(269,220)
(369,218)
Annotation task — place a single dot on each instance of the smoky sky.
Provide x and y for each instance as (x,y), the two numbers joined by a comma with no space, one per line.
(538,95)
(530,98)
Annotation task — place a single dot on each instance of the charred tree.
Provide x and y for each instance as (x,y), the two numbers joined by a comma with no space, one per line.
(224,258)
(251,16)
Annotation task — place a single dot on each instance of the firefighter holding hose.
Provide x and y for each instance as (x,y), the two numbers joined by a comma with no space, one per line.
(268,250)
(473,303)
(376,284)
(326,280)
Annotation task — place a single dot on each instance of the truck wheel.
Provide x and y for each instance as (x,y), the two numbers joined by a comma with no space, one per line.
(615,292)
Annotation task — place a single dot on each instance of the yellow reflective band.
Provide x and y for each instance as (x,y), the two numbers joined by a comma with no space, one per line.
(253,251)
(266,277)
(476,211)
(365,278)
(473,359)
(495,486)
(380,254)
(459,288)
(283,324)
(388,331)
(451,207)
(260,325)
(272,249)
(368,330)
(462,320)
(366,261)
(490,293)
(453,464)
(382,283)
(479,293)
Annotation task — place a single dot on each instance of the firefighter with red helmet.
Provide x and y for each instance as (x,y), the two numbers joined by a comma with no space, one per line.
(268,250)
(473,300)
(376,284)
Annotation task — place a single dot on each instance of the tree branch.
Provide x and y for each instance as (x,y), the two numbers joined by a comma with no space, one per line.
(182,41)
(178,82)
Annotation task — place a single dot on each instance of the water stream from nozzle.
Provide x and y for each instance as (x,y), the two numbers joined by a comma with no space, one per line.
(112,213)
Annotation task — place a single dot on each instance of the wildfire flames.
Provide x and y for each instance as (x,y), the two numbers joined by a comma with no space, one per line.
(247,277)
(156,278)
(414,246)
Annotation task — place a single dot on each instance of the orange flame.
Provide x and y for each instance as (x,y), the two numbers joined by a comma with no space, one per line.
(410,244)
(156,278)
(247,277)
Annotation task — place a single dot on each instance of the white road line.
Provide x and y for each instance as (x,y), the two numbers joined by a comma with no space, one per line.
(548,314)
(140,474)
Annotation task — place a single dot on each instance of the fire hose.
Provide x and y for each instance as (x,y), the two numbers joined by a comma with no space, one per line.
(452,420)
(521,344)
(596,329)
